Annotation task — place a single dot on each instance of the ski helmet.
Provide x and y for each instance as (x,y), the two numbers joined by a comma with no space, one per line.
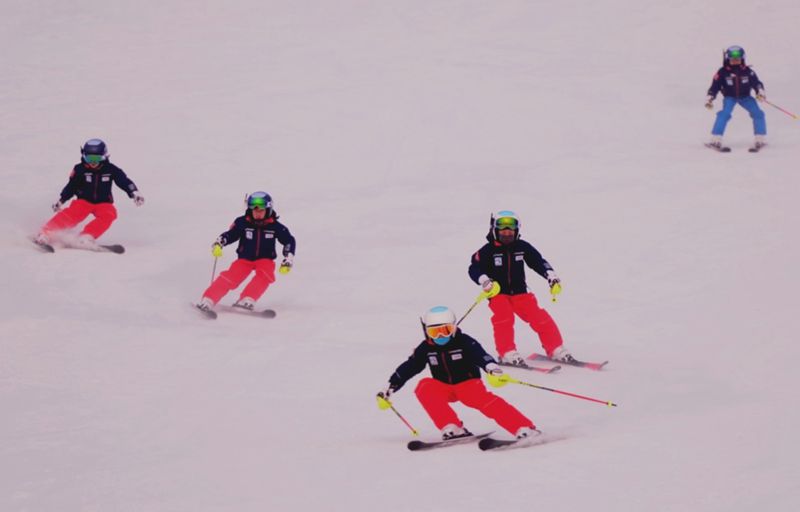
(504,219)
(440,324)
(260,200)
(734,52)
(94,151)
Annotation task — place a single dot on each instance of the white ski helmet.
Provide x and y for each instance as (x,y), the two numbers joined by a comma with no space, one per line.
(504,219)
(438,315)
(440,324)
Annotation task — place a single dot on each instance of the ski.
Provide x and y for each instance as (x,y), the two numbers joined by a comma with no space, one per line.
(417,445)
(490,443)
(265,313)
(115,248)
(44,247)
(532,368)
(207,313)
(575,362)
(721,149)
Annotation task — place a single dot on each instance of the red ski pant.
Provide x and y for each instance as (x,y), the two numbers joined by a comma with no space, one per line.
(435,397)
(527,308)
(238,272)
(77,211)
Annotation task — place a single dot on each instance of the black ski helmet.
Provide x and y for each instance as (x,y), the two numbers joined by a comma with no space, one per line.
(260,200)
(733,52)
(504,219)
(94,151)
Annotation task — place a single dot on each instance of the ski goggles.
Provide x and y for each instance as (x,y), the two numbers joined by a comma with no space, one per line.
(506,223)
(258,203)
(735,53)
(94,159)
(440,331)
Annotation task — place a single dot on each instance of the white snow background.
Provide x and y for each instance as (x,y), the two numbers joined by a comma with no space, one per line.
(387,132)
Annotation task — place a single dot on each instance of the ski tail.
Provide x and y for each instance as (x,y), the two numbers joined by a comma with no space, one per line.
(597,366)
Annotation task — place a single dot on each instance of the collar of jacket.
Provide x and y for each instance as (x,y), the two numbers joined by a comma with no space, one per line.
(262,222)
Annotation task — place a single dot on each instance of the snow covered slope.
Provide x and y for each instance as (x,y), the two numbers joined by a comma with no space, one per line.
(387,132)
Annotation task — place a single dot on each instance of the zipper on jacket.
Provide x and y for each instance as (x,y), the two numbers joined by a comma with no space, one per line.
(96,179)
(510,285)
(258,242)
(446,368)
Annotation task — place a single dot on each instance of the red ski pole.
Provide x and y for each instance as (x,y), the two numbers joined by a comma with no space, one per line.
(384,404)
(605,402)
(779,108)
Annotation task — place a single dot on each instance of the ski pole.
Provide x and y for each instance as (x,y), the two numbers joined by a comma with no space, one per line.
(214,270)
(606,402)
(477,301)
(554,291)
(779,108)
(384,404)
(483,295)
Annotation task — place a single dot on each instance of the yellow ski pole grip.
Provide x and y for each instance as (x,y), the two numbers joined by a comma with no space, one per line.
(555,291)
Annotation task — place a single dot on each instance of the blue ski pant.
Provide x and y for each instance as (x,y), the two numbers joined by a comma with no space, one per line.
(750,104)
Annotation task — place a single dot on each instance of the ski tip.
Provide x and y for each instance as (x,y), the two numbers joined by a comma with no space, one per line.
(491,443)
(115,248)
(45,248)
(41,245)
(415,445)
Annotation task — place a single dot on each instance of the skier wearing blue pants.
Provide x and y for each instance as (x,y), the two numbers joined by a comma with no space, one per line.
(736,81)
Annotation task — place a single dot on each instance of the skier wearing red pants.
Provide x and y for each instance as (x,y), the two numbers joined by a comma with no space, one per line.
(455,360)
(90,182)
(499,268)
(256,231)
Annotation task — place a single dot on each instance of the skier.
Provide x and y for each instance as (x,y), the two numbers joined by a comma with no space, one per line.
(499,268)
(455,360)
(90,182)
(736,80)
(256,232)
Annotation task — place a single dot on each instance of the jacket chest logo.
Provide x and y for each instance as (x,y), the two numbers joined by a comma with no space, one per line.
(519,256)
(88,177)
(498,260)
(249,233)
(455,355)
(433,359)
(105,177)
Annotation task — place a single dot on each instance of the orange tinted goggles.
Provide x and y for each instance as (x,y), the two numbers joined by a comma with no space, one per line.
(440,331)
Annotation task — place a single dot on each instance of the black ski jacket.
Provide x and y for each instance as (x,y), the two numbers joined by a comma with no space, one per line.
(460,360)
(257,239)
(735,82)
(506,264)
(94,185)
